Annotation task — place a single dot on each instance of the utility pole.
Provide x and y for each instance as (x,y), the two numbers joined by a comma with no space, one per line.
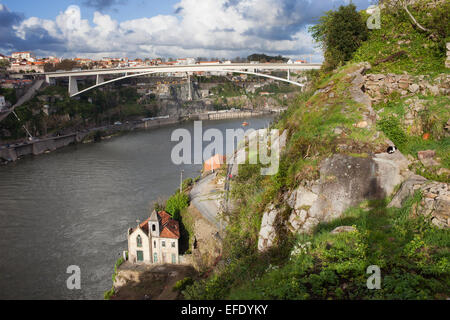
(181,181)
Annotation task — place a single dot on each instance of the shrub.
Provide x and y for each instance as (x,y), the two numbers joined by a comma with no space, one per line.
(182,284)
(176,203)
(392,129)
(187,183)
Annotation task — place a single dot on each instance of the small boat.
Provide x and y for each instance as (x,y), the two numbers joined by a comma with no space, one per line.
(244,124)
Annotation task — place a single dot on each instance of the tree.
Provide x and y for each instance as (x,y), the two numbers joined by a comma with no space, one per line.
(265,58)
(66,64)
(4,64)
(340,33)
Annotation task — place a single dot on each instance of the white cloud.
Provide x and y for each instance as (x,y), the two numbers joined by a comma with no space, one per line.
(219,28)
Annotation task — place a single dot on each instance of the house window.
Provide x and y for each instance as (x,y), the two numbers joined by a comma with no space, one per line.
(173,244)
(139,241)
(164,244)
(153,227)
(155,258)
(154,244)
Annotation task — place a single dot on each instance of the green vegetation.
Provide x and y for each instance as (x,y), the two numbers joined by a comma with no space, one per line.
(340,33)
(227,90)
(176,203)
(265,58)
(9,94)
(422,53)
(99,108)
(182,284)
(4,64)
(413,256)
(432,119)
(66,64)
(108,294)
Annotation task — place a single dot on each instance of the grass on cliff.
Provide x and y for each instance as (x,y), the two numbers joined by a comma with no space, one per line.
(397,33)
(413,256)
(432,119)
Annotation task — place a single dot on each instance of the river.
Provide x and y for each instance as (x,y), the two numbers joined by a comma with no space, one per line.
(74,207)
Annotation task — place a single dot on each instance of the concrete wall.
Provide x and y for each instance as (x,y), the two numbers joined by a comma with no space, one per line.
(40,146)
(228,115)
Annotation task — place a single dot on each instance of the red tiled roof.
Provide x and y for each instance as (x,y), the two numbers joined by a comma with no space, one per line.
(165,217)
(169,227)
(144,225)
(171,230)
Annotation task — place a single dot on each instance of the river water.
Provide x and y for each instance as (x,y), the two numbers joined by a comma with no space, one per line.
(74,207)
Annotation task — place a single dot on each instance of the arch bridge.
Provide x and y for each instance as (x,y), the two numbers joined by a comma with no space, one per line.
(125,73)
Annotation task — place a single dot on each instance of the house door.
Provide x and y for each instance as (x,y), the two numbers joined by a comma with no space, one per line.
(140,256)
(174,258)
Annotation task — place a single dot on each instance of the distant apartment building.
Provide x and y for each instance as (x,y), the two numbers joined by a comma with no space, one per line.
(83,62)
(25,55)
(51,60)
(186,61)
(300,61)
(37,67)
(2,57)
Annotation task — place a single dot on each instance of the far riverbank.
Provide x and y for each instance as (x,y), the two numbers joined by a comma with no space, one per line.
(13,152)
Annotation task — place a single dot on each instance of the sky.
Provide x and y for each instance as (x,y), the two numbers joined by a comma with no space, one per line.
(163,28)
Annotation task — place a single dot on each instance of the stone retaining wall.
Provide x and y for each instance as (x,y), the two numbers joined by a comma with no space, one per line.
(380,86)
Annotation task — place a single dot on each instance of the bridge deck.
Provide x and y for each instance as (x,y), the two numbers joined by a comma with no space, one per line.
(187,68)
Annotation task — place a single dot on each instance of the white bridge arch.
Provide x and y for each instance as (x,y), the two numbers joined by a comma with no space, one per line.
(138,72)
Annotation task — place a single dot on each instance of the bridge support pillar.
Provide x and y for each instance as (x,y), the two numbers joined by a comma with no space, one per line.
(73,86)
(289,75)
(189,86)
(100,79)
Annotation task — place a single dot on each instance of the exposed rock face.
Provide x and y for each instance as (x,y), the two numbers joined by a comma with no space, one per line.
(347,181)
(344,182)
(343,229)
(447,62)
(358,95)
(427,158)
(436,201)
(267,234)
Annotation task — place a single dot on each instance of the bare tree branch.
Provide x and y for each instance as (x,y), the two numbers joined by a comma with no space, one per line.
(405,6)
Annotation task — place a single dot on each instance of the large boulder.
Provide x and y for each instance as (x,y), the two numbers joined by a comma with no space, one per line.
(345,182)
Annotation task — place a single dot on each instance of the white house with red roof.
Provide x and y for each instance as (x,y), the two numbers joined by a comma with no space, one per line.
(155,241)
